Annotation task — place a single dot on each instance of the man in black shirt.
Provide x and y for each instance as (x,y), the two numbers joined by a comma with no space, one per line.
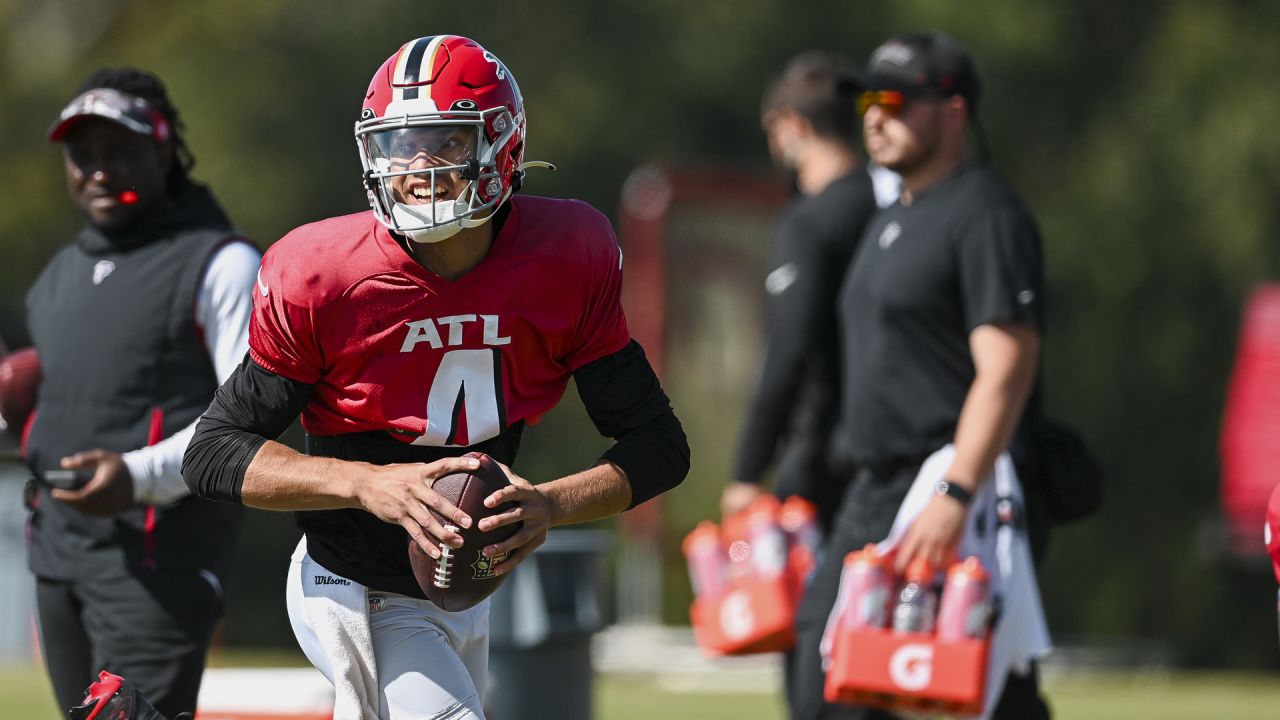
(809,118)
(940,322)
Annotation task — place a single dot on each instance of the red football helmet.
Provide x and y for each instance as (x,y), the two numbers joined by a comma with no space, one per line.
(441,137)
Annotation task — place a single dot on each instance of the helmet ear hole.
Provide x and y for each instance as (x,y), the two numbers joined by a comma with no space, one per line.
(517,176)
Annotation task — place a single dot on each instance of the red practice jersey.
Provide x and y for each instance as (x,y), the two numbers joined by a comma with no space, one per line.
(390,346)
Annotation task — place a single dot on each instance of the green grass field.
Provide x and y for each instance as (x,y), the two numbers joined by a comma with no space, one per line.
(24,694)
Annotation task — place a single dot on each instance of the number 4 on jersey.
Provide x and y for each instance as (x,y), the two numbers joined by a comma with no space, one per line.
(465,405)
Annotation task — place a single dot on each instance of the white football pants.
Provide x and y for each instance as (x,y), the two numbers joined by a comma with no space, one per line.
(388,656)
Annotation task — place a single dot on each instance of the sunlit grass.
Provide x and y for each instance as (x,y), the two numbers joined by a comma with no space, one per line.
(1126,695)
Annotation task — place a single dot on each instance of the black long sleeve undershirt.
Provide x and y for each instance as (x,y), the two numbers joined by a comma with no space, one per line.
(812,245)
(253,406)
(626,402)
(621,393)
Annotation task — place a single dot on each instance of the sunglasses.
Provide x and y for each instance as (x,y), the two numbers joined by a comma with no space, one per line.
(893,102)
(890,101)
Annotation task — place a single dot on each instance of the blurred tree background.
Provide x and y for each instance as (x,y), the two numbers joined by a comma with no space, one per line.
(1137,132)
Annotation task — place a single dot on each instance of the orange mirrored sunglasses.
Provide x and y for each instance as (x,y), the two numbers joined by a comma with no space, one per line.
(891,101)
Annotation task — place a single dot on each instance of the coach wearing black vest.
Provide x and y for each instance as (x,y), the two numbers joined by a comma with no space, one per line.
(940,319)
(135,322)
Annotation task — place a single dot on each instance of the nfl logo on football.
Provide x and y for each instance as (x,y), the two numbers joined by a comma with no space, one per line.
(483,566)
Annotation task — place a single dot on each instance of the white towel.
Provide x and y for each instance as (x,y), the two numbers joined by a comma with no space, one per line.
(337,614)
(1022,635)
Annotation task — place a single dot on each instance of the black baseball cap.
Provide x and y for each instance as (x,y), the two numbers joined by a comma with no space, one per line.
(132,112)
(924,62)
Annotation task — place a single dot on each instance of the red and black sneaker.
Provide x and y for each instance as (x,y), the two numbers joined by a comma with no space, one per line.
(114,698)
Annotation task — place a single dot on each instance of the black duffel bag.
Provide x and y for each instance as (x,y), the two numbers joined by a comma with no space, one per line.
(1059,465)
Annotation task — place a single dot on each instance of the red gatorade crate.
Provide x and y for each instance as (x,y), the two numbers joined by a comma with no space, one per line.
(888,666)
(747,580)
(754,617)
(896,671)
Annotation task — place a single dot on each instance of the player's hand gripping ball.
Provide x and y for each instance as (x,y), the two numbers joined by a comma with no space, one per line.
(462,577)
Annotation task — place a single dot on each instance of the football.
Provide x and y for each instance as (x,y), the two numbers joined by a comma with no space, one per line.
(463,577)
(19,380)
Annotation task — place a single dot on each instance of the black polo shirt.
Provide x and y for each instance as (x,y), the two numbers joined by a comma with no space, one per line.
(812,245)
(964,253)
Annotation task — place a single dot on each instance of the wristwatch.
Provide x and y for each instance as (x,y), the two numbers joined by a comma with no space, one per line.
(951,489)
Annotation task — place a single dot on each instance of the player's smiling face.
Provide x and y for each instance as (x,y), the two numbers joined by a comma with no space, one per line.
(422,149)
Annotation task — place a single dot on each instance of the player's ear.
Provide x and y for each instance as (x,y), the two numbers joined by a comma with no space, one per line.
(956,113)
(791,126)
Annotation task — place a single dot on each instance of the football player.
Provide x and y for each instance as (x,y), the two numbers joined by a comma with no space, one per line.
(444,321)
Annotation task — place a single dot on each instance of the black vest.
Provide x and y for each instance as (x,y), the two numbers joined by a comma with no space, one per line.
(113,322)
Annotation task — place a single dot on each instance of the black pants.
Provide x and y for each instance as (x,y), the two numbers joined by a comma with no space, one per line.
(153,629)
(866,516)
(804,470)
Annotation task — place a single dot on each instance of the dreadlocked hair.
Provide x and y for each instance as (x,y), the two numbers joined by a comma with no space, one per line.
(144,85)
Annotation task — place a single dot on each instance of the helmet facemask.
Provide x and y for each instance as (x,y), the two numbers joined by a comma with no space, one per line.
(431,175)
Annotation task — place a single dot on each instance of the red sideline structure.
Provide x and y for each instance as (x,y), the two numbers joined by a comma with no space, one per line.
(693,239)
(1249,446)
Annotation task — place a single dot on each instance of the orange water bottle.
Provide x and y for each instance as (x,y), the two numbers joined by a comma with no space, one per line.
(706,558)
(916,611)
(966,602)
(733,538)
(866,586)
(799,519)
(767,540)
